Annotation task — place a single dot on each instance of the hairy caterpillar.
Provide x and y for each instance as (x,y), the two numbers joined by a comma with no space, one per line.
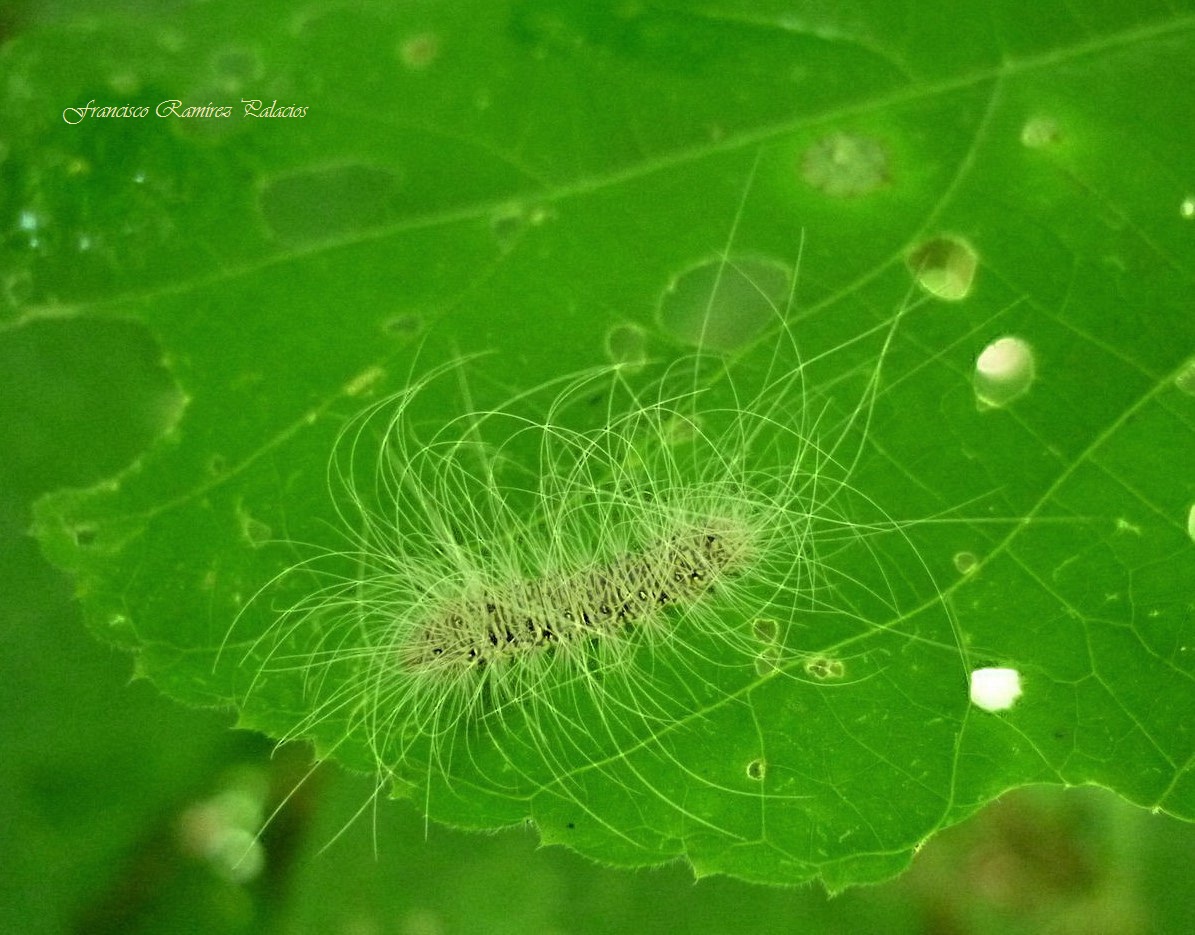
(545,599)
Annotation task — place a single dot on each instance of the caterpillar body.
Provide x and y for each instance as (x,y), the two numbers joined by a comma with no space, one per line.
(498,626)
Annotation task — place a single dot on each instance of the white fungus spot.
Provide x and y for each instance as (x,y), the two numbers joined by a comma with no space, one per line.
(1040,132)
(995,689)
(1191,522)
(1187,208)
(944,267)
(1004,370)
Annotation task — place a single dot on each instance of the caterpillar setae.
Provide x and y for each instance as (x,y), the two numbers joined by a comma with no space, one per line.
(560,593)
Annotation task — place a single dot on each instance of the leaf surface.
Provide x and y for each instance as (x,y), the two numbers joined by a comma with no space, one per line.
(521,179)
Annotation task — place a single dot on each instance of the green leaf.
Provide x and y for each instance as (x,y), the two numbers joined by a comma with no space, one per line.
(527,180)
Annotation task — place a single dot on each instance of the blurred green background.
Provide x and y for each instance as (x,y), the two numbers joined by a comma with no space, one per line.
(123,812)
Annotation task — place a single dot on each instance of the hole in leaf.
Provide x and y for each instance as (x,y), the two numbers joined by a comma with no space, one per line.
(1040,132)
(944,267)
(766,630)
(1185,378)
(722,305)
(823,667)
(1004,371)
(995,688)
(845,165)
(627,345)
(767,662)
